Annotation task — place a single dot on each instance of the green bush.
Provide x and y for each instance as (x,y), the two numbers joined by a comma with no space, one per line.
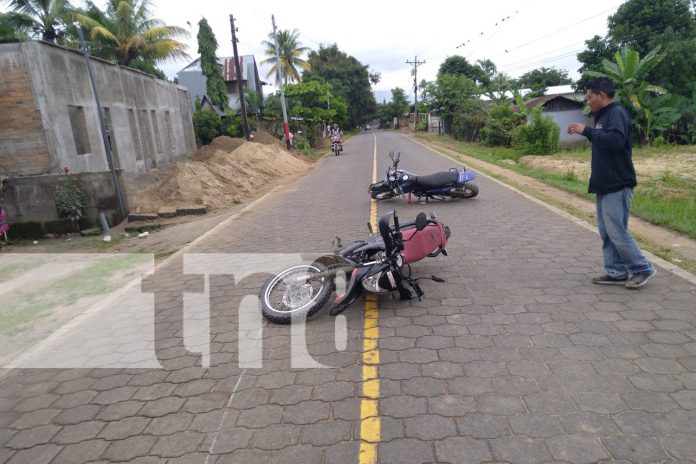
(500,128)
(422,125)
(300,143)
(70,200)
(207,125)
(234,126)
(540,136)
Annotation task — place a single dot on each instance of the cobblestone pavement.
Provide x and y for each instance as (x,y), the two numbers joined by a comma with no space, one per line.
(516,358)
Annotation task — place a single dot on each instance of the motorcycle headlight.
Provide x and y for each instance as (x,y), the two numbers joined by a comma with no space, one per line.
(392,178)
(400,260)
(371,283)
(404,177)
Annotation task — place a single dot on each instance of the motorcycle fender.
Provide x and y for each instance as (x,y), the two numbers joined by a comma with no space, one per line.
(353,289)
(379,186)
(465,176)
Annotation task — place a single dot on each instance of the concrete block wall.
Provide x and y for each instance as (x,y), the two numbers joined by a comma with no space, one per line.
(30,202)
(23,148)
(150,120)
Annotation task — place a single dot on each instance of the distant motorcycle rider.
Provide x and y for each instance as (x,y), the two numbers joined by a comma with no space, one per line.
(336,137)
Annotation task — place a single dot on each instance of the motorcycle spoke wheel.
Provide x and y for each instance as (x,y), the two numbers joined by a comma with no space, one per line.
(293,292)
(382,195)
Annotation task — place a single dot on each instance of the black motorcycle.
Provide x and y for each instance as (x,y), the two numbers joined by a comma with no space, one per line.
(379,264)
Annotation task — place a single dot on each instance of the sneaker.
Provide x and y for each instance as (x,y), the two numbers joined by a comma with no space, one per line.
(638,280)
(606,279)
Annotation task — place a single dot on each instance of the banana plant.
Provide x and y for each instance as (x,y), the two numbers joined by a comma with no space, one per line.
(629,72)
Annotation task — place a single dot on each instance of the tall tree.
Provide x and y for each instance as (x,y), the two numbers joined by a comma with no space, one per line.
(127,30)
(644,25)
(308,102)
(637,22)
(349,79)
(546,77)
(597,50)
(538,80)
(214,81)
(291,50)
(46,19)
(459,65)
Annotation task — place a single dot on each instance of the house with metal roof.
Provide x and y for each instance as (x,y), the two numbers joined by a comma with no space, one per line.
(193,79)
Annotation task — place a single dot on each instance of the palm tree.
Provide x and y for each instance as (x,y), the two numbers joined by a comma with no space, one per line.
(290,50)
(44,18)
(127,31)
(488,66)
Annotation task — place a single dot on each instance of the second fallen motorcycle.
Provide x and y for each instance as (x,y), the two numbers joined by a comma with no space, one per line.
(453,183)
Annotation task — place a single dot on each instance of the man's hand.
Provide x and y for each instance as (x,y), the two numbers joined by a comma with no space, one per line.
(576,128)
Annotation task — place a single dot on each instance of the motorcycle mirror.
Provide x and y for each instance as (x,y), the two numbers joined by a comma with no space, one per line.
(421,221)
(391,155)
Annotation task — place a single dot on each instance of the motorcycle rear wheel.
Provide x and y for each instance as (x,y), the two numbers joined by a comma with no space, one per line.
(283,300)
(469,190)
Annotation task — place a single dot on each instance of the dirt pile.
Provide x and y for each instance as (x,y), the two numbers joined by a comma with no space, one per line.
(218,176)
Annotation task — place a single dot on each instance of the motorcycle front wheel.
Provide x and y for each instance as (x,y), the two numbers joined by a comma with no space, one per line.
(381,191)
(381,195)
(293,293)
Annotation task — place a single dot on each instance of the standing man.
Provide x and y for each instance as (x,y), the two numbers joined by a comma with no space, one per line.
(613,179)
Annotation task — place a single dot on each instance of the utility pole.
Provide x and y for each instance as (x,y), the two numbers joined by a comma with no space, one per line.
(238,72)
(286,129)
(415,63)
(104,129)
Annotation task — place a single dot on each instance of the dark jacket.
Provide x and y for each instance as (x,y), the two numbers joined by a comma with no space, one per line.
(612,166)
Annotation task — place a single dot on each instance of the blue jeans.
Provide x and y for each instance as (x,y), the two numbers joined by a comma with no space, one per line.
(622,256)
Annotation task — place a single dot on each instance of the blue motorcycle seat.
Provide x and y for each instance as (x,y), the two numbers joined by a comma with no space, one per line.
(437,180)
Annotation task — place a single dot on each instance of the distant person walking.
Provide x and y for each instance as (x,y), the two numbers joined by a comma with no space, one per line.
(612,180)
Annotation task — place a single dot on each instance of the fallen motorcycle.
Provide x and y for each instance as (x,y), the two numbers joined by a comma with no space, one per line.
(446,184)
(379,264)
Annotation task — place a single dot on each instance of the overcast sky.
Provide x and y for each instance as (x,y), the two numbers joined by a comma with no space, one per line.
(517,35)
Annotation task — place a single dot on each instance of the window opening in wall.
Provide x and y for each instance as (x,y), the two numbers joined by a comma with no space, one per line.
(135,135)
(146,135)
(155,126)
(79,129)
(170,133)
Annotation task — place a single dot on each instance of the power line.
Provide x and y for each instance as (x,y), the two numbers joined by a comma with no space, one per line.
(557,31)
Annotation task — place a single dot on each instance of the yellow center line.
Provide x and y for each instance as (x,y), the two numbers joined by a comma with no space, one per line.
(369,406)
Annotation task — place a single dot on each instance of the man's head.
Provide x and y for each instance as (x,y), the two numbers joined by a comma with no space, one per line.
(600,93)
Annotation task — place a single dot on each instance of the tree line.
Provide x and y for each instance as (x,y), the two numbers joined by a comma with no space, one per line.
(649,51)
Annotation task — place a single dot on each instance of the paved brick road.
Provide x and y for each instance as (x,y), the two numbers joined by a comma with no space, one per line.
(517,358)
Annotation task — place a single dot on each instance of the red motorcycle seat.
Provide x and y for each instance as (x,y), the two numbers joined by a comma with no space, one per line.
(419,244)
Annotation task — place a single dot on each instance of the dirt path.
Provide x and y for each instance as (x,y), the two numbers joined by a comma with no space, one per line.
(674,243)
